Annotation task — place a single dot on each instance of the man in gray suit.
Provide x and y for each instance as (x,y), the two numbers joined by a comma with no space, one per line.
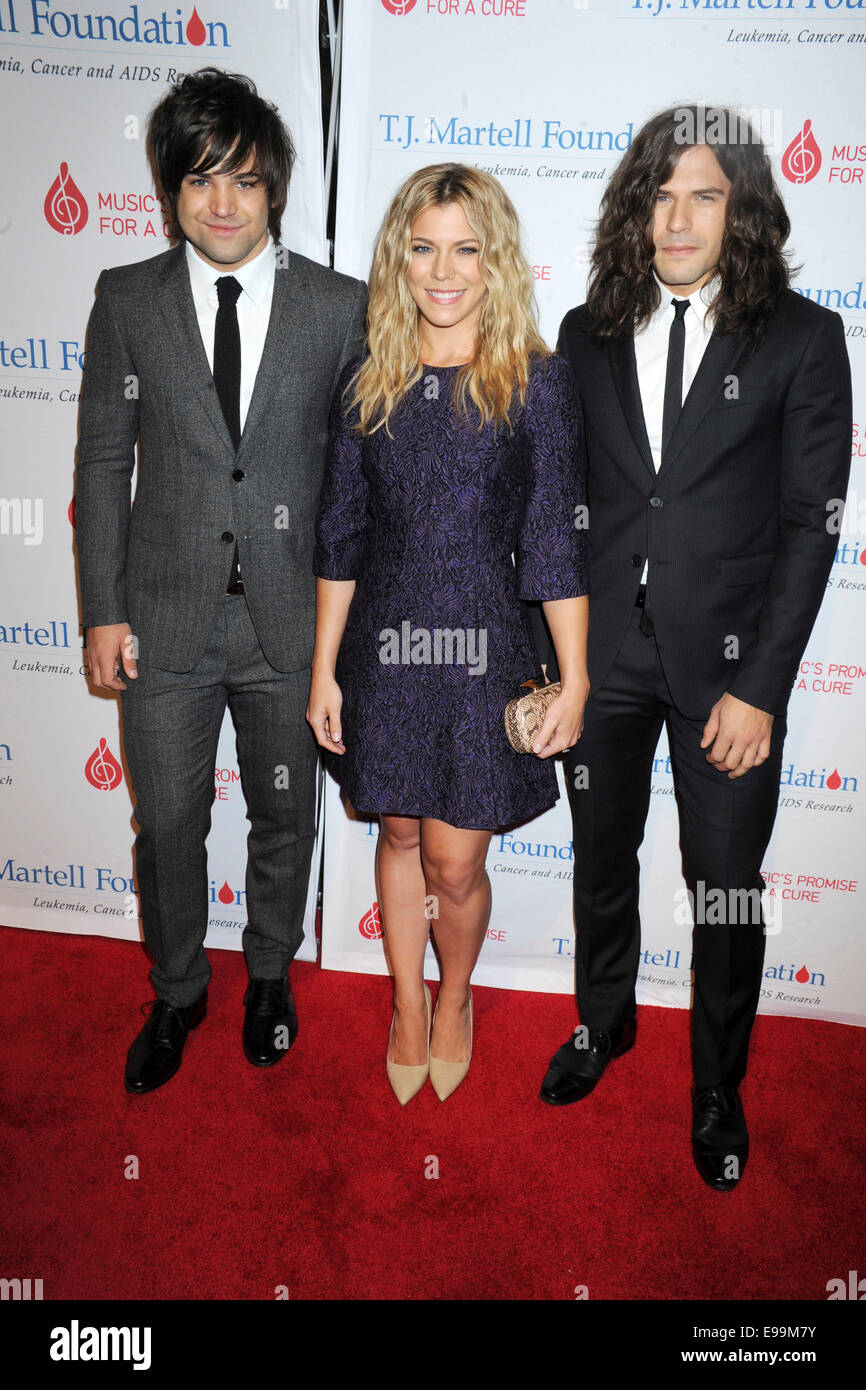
(220,357)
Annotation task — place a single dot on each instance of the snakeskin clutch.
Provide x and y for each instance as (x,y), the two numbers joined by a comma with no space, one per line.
(525,715)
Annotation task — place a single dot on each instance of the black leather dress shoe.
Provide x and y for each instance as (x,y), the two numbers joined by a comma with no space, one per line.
(575,1070)
(720,1140)
(156,1053)
(270,1022)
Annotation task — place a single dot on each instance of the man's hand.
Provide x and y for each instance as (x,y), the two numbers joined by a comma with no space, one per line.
(108,649)
(740,735)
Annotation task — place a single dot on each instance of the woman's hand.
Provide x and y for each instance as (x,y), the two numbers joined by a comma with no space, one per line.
(323,712)
(568,620)
(563,723)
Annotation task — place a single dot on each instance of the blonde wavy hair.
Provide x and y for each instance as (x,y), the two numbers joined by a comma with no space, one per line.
(507,332)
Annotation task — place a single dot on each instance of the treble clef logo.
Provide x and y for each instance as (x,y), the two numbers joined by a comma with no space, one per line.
(102,769)
(802,159)
(370,925)
(65,204)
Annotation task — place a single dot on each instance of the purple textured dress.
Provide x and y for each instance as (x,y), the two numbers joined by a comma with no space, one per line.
(436,640)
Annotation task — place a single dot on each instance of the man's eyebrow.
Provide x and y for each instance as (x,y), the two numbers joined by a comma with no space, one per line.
(663,188)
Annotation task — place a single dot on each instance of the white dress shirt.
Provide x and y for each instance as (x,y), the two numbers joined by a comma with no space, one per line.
(256,279)
(651,356)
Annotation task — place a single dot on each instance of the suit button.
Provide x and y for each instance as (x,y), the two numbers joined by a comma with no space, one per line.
(637,560)
(656,502)
(228,536)
(238,474)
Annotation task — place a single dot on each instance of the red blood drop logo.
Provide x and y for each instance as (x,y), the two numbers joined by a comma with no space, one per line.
(834,781)
(195,30)
(802,975)
(71,512)
(225,894)
(370,925)
(802,159)
(65,204)
(102,769)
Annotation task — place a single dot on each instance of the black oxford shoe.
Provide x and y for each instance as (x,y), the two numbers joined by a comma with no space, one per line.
(270,1021)
(156,1053)
(720,1140)
(575,1070)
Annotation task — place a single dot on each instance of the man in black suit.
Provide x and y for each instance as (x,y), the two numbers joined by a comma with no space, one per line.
(220,357)
(718,429)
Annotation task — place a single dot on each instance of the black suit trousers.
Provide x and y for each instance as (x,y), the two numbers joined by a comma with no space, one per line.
(725,826)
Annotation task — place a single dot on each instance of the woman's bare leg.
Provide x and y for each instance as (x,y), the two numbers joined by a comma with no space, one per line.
(402,892)
(453,862)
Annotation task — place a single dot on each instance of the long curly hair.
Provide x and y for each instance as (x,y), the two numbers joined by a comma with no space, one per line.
(753,268)
(507,332)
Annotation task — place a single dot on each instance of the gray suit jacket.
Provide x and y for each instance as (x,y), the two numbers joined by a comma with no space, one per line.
(164,566)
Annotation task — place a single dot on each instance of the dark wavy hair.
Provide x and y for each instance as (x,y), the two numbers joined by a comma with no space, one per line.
(194,127)
(753,268)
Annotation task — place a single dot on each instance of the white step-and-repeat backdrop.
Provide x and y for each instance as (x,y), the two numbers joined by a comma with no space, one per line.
(546,95)
(77,83)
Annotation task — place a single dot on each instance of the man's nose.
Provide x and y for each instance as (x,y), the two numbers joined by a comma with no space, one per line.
(222,199)
(678,215)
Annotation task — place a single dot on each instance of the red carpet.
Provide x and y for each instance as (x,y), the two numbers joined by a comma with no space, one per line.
(311,1176)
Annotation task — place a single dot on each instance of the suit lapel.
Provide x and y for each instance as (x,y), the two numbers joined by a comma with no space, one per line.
(181,320)
(285,333)
(623,365)
(721,356)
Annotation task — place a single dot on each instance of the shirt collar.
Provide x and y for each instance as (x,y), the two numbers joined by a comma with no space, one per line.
(255,278)
(698,302)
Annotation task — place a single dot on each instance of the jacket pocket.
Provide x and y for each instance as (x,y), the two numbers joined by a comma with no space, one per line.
(747,569)
(740,402)
(155,528)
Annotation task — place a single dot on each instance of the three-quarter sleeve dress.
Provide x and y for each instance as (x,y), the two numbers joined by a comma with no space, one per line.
(444,529)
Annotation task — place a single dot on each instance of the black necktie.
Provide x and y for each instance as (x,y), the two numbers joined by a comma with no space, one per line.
(227,355)
(227,376)
(673,403)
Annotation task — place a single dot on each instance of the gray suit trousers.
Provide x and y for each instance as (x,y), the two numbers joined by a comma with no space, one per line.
(171,726)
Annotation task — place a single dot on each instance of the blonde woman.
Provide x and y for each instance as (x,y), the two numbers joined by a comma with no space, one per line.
(452,491)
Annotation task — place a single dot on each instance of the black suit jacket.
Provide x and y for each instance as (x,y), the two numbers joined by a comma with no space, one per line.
(734,524)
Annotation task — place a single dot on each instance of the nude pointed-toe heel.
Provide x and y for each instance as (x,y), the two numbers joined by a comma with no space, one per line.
(406,1082)
(445,1077)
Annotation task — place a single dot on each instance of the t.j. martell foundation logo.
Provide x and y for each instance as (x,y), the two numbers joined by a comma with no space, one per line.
(65,204)
(49,21)
(102,769)
(399,7)
(802,159)
(370,925)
